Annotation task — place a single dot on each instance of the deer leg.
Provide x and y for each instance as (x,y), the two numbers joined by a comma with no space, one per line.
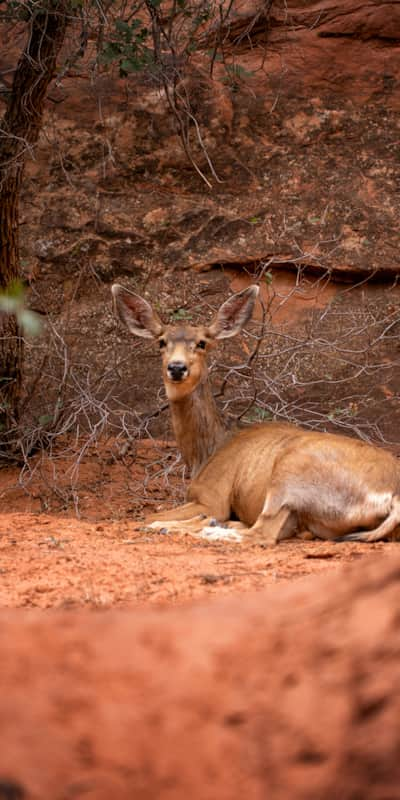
(185,512)
(276,521)
(386,528)
(191,517)
(271,529)
(188,518)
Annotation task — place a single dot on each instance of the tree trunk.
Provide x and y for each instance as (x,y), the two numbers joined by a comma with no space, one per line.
(19,131)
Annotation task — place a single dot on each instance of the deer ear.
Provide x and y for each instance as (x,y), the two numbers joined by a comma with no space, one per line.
(136,313)
(233,314)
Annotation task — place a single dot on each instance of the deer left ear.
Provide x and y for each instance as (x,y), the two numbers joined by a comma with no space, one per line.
(233,314)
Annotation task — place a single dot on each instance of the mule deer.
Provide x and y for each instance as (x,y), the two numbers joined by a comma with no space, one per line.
(274,477)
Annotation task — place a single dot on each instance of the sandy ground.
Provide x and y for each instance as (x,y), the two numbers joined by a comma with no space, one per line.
(291,693)
(55,561)
(141,682)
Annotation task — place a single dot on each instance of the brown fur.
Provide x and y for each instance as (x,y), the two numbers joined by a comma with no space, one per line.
(275,478)
(198,427)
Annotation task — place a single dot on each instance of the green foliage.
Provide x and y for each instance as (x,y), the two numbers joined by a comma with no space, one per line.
(127,47)
(235,75)
(12,10)
(45,419)
(202,16)
(258,414)
(181,314)
(217,57)
(268,277)
(351,410)
(12,301)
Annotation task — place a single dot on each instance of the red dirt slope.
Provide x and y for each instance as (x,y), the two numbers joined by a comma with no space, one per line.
(291,693)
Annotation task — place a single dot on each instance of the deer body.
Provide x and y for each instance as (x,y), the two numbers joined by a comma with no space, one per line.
(327,484)
(275,478)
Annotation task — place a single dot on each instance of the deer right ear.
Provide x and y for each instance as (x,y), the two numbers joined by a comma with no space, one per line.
(136,313)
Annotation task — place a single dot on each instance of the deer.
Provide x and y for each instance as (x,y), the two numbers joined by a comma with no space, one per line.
(275,478)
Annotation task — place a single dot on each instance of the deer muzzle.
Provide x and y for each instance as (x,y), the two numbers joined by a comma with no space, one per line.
(177,371)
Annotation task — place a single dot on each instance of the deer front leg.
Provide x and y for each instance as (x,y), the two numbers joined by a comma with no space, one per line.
(205,511)
(203,502)
(189,518)
(192,518)
(184,512)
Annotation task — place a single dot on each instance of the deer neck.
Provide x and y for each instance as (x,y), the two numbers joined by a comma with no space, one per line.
(198,427)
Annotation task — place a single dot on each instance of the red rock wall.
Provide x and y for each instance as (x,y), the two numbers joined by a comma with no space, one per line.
(305,144)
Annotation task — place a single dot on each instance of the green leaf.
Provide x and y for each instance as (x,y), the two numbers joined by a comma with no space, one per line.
(216,56)
(238,71)
(12,301)
(8,304)
(268,278)
(15,289)
(181,313)
(29,321)
(111,52)
(130,65)
(258,414)
(122,26)
(45,419)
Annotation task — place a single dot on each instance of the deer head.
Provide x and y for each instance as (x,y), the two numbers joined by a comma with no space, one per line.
(183,347)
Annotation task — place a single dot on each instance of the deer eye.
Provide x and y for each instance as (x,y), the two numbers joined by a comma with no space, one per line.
(201,344)
(162,343)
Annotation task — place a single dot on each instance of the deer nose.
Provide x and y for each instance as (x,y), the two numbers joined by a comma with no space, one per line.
(177,370)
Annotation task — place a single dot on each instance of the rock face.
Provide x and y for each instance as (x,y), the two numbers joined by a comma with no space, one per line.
(302,132)
(289,693)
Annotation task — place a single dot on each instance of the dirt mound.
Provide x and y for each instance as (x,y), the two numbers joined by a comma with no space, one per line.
(286,694)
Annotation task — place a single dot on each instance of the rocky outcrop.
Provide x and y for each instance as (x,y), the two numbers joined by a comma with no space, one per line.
(301,128)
